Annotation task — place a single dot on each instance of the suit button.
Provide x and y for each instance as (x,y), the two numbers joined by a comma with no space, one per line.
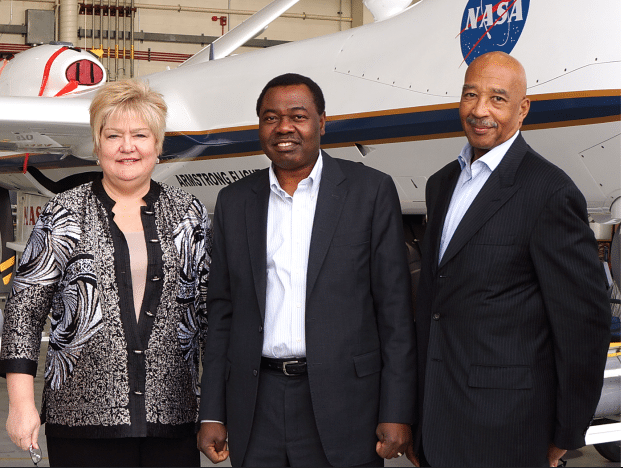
(435,316)
(261,329)
(254,372)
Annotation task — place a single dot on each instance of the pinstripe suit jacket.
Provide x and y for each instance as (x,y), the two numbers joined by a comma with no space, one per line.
(358,324)
(513,323)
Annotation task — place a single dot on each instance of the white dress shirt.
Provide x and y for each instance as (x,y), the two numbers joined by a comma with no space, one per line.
(472,179)
(288,234)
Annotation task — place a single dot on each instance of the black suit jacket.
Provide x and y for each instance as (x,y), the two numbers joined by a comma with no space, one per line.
(513,323)
(360,337)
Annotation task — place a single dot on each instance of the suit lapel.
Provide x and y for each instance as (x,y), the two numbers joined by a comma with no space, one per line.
(436,222)
(331,197)
(256,218)
(498,189)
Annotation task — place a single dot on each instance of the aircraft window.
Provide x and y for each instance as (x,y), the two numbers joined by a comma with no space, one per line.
(84,72)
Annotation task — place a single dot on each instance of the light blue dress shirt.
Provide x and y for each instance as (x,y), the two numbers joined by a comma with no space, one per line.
(288,235)
(472,179)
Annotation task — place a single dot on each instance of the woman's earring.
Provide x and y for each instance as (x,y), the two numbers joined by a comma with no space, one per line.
(157,160)
(97,161)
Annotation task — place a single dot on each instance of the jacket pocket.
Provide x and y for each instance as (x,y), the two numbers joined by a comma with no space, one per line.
(369,363)
(501,377)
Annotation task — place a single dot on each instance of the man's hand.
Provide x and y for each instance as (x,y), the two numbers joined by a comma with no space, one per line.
(211,440)
(394,439)
(554,454)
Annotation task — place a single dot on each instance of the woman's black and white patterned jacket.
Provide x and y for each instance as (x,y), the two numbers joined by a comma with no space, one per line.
(105,374)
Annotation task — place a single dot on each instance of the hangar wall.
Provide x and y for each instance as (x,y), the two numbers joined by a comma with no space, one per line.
(176,27)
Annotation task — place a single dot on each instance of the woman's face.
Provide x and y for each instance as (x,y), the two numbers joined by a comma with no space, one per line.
(127,151)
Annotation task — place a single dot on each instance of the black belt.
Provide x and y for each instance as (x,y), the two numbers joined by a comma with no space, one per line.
(290,367)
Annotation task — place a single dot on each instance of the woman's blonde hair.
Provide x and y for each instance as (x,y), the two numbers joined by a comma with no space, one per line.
(128,98)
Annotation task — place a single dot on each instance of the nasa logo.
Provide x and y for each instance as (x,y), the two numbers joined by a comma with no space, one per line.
(489,27)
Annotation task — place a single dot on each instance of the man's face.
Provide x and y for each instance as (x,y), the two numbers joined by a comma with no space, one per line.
(290,128)
(493,105)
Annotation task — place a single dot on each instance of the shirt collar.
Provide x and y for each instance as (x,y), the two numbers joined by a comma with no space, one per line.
(314,176)
(491,158)
(99,191)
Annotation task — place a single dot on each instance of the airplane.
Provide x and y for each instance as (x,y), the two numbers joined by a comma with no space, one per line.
(392,89)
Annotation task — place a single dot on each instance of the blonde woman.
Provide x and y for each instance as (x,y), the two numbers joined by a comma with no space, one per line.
(121,264)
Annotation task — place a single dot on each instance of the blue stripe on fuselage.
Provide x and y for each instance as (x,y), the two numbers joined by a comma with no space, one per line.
(380,127)
(398,126)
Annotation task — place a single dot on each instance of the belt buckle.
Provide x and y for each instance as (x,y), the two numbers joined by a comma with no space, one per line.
(283,367)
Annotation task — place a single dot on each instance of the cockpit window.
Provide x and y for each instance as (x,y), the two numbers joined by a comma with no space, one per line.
(84,72)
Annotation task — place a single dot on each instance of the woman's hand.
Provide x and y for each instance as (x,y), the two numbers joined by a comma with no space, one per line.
(23,422)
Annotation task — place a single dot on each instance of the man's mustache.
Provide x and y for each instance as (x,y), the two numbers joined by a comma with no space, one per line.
(481,122)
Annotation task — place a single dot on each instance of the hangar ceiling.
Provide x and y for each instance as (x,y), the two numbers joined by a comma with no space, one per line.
(135,38)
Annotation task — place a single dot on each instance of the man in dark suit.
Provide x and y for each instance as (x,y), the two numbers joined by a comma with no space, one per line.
(310,358)
(512,317)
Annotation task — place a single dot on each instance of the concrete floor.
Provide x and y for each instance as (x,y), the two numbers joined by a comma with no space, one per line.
(10,455)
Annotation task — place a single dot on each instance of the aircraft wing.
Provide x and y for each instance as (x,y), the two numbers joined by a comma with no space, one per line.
(242,33)
(38,125)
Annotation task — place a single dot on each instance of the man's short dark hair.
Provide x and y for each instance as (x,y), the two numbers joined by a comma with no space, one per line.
(293,79)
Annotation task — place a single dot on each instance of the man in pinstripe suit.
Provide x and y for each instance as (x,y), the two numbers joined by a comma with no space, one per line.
(512,315)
